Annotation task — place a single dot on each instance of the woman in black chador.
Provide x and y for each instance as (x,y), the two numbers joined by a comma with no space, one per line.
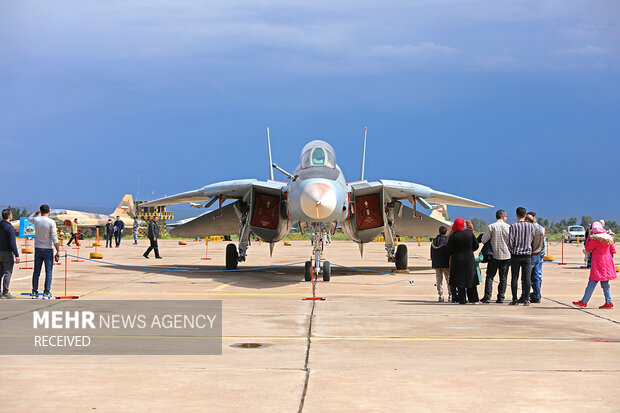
(461,246)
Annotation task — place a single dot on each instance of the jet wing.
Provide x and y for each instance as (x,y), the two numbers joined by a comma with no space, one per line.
(405,190)
(209,223)
(228,189)
(407,226)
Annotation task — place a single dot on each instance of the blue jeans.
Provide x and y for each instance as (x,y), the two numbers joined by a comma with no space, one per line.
(536,275)
(135,237)
(590,290)
(43,255)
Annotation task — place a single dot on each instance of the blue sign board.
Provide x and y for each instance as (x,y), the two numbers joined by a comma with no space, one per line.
(26,228)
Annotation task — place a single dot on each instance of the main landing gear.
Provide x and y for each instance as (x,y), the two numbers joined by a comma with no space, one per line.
(232,257)
(319,234)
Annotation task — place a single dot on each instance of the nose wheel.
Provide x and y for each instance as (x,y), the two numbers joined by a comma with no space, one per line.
(308,271)
(326,271)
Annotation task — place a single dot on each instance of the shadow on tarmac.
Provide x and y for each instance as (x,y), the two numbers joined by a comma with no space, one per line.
(259,278)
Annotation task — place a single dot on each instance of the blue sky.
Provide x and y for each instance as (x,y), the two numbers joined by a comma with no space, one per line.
(510,103)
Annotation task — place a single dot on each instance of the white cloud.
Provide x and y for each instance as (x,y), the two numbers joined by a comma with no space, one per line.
(587,50)
(422,50)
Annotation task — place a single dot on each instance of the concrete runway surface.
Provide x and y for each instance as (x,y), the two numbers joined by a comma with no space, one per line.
(375,344)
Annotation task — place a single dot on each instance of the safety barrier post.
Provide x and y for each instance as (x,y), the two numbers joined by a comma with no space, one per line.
(562,242)
(25,252)
(419,241)
(67,297)
(77,259)
(206,257)
(314,297)
(97,242)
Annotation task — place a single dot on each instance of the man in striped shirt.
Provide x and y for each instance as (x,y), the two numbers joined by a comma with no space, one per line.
(520,239)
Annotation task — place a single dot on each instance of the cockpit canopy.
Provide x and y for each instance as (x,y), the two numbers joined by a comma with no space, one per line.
(318,153)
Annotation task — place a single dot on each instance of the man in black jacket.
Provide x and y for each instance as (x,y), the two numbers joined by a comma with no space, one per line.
(109,234)
(441,262)
(119,226)
(152,234)
(8,252)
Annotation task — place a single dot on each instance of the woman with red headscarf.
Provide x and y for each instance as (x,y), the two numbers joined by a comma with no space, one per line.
(461,247)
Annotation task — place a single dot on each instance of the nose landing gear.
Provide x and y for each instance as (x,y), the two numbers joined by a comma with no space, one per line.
(319,234)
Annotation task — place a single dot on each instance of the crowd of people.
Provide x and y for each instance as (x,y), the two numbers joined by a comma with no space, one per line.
(46,241)
(518,247)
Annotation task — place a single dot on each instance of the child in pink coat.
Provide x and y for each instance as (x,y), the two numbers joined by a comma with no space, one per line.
(602,247)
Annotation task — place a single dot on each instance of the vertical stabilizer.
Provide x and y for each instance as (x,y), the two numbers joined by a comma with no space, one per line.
(363,155)
(440,212)
(125,208)
(270,161)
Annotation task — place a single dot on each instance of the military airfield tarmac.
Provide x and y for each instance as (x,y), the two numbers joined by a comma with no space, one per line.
(376,343)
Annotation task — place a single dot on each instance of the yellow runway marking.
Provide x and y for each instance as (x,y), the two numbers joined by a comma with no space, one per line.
(221,287)
(355,338)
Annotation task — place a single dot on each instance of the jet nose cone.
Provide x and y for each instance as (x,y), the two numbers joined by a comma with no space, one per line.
(318,200)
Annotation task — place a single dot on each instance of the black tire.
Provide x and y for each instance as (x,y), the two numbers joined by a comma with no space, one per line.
(327,271)
(308,271)
(232,257)
(401,258)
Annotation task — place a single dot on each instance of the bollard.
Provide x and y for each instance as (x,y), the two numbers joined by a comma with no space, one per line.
(547,257)
(96,255)
(97,243)
(206,257)
(66,297)
(26,250)
(562,242)
(78,255)
(419,241)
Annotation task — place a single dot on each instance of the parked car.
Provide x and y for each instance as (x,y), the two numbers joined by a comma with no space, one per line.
(574,233)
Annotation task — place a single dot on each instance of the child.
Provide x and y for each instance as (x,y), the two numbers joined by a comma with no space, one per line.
(602,247)
(440,262)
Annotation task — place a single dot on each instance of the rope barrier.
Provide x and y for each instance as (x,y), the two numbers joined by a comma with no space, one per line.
(361,269)
(220,271)
(186,271)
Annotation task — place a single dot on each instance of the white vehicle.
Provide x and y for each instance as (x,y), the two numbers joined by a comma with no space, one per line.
(574,233)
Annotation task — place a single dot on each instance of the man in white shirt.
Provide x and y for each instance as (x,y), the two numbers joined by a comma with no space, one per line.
(497,233)
(45,241)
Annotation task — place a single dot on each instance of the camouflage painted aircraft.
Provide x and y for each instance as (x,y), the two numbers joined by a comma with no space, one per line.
(318,198)
(91,220)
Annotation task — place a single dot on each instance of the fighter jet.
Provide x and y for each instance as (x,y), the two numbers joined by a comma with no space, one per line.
(318,197)
(91,220)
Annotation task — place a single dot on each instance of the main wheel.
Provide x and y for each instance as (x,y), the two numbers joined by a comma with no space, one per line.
(401,257)
(327,271)
(232,257)
(308,271)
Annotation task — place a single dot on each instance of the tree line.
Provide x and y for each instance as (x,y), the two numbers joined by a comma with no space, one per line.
(554,227)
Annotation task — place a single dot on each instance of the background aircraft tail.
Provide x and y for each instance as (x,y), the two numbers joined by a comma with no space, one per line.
(441,213)
(126,207)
